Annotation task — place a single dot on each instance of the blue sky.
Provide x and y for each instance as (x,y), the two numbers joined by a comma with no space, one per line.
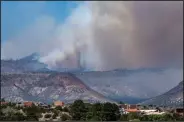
(15,16)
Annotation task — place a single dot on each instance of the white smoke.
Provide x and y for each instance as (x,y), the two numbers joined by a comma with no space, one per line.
(120,34)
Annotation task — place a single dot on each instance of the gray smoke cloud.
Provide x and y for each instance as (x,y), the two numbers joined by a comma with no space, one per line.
(110,35)
(138,34)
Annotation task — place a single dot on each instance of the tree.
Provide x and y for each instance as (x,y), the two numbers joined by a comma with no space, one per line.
(168,117)
(47,116)
(55,114)
(18,117)
(78,110)
(2,100)
(2,115)
(150,106)
(95,112)
(121,102)
(65,117)
(132,116)
(59,108)
(110,112)
(33,113)
(124,117)
(32,117)
(89,116)
(65,109)
(144,118)
(145,107)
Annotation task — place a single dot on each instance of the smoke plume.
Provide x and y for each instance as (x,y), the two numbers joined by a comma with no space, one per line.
(138,34)
(109,35)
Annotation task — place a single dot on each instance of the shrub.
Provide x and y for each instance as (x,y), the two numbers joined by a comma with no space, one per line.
(65,109)
(59,108)
(54,116)
(47,115)
(65,117)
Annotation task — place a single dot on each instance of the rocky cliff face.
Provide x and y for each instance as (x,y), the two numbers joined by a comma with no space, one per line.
(46,87)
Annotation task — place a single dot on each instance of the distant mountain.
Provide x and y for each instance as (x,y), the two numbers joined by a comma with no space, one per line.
(28,63)
(31,63)
(46,87)
(173,97)
(33,57)
(130,86)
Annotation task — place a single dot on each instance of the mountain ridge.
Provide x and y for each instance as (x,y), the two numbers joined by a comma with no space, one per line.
(47,88)
(173,97)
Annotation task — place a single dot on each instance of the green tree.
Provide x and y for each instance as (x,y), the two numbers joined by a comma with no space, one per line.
(89,116)
(110,112)
(65,109)
(168,117)
(97,111)
(33,112)
(2,100)
(59,108)
(65,117)
(145,107)
(55,114)
(78,110)
(144,118)
(132,116)
(18,117)
(121,102)
(178,117)
(151,106)
(47,116)
(32,117)
(124,117)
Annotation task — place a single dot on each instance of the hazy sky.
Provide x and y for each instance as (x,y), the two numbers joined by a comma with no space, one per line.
(110,34)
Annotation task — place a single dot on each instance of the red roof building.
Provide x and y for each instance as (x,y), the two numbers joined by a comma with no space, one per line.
(130,108)
(28,104)
(58,103)
(4,103)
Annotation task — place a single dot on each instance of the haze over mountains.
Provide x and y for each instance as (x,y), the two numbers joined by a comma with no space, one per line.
(173,97)
(28,79)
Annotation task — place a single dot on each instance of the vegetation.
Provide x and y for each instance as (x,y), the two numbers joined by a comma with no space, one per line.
(55,114)
(65,109)
(2,100)
(95,112)
(65,117)
(79,111)
(59,108)
(121,102)
(48,116)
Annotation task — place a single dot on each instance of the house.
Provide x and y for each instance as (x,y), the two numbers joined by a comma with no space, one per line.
(132,108)
(156,111)
(179,111)
(58,103)
(28,104)
(4,103)
(124,109)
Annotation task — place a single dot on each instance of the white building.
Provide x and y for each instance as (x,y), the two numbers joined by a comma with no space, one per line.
(151,112)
